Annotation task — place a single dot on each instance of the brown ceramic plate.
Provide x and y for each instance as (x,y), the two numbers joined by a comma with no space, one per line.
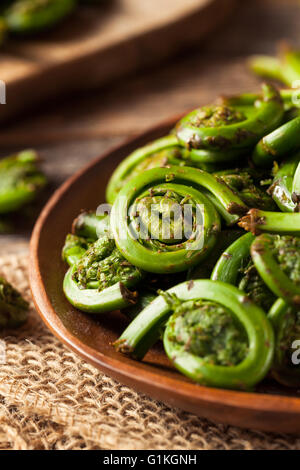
(271,408)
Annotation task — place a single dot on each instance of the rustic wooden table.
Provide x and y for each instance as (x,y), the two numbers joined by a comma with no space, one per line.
(70,132)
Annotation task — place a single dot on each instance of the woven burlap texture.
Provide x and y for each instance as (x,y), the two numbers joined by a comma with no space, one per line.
(51,399)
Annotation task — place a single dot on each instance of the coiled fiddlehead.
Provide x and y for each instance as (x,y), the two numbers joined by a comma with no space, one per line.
(20,181)
(231,126)
(13,308)
(139,234)
(214,335)
(277,260)
(99,280)
(161,152)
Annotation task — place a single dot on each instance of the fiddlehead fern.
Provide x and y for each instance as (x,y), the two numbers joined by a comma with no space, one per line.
(90,225)
(140,237)
(296,188)
(161,152)
(253,285)
(257,222)
(225,340)
(74,248)
(236,267)
(234,258)
(241,182)
(13,308)
(98,282)
(231,127)
(20,181)
(216,331)
(285,67)
(277,260)
(286,322)
(282,190)
(273,147)
(224,240)
(30,16)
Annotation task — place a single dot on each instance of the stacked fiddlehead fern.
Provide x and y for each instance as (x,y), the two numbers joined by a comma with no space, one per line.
(219,283)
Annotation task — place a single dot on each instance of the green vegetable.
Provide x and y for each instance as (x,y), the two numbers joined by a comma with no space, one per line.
(252,284)
(230,127)
(242,330)
(296,188)
(285,68)
(13,308)
(91,226)
(98,282)
(286,323)
(236,267)
(277,259)
(282,190)
(30,16)
(224,240)
(235,257)
(161,152)
(140,236)
(242,183)
(20,181)
(281,142)
(163,235)
(145,297)
(74,248)
(257,221)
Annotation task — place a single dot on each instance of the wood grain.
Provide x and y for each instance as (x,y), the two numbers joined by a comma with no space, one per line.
(97,44)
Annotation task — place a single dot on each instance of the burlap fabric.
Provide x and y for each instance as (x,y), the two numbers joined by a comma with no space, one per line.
(51,399)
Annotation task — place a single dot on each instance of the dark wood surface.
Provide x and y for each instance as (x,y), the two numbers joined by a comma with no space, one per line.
(271,408)
(70,132)
(98,43)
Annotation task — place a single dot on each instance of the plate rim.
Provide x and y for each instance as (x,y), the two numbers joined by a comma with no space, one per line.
(127,373)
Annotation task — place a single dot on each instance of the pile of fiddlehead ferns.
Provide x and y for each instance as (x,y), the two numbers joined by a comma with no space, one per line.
(219,284)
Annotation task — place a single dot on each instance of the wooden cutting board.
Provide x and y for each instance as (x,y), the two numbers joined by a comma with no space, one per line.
(99,44)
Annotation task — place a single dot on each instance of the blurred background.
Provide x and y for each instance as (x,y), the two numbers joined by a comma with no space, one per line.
(113,69)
